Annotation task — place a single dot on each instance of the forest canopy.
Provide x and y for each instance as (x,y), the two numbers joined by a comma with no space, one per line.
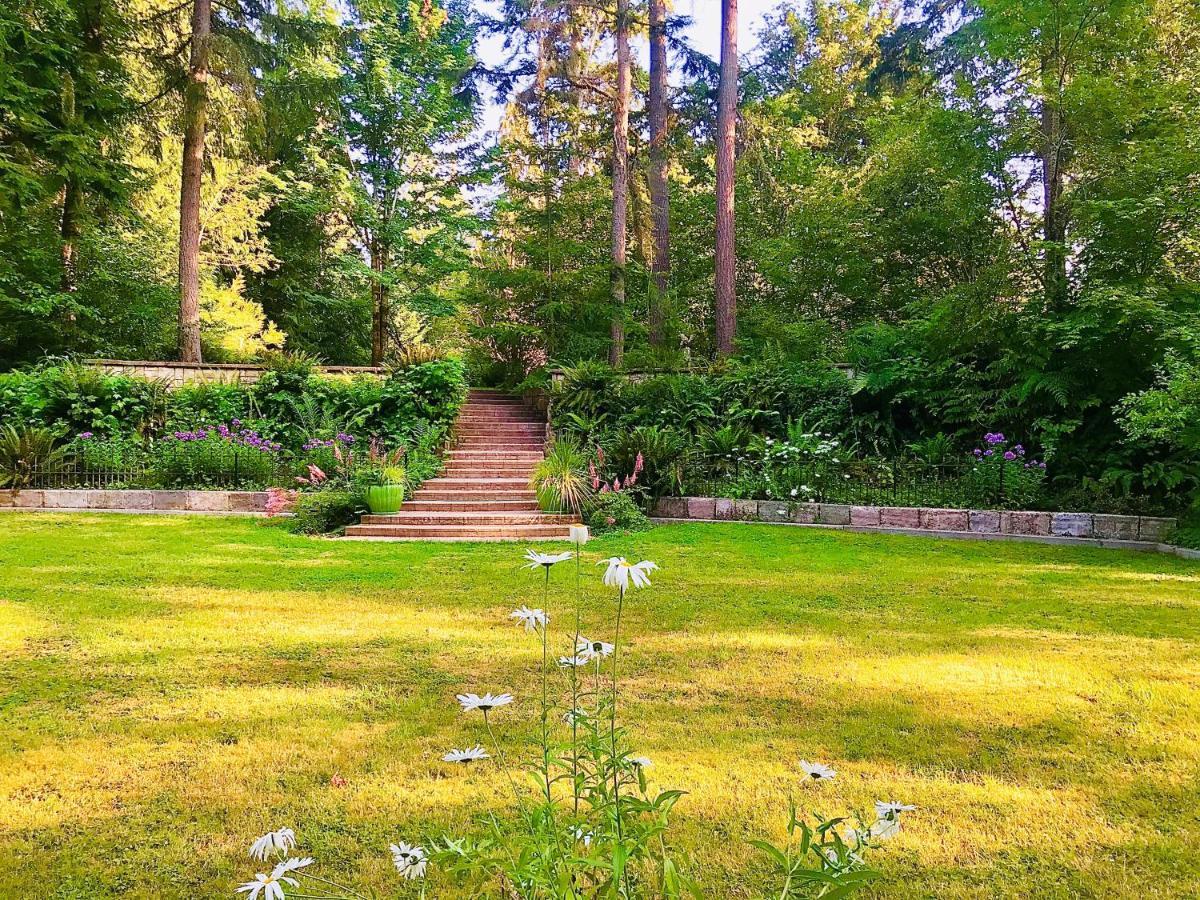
(987,212)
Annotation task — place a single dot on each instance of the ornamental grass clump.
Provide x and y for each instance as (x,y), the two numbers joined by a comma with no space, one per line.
(588,822)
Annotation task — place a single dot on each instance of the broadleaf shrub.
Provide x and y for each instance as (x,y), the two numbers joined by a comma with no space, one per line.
(323,512)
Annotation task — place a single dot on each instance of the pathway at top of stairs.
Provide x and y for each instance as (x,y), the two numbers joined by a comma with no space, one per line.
(483,494)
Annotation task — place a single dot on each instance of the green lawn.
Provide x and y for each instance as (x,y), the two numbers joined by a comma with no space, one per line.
(171,687)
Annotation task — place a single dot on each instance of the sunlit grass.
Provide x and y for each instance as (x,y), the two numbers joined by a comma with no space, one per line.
(173,686)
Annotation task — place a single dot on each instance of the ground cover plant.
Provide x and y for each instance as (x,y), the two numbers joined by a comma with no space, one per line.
(1037,704)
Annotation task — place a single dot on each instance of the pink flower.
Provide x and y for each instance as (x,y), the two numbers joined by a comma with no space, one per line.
(595,477)
(616,484)
(316,476)
(279,501)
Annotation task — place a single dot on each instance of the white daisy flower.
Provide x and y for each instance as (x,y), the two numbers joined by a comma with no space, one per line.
(571,662)
(484,703)
(532,619)
(620,572)
(410,860)
(466,755)
(887,824)
(817,771)
(271,886)
(590,649)
(536,559)
(885,828)
(642,762)
(584,837)
(891,810)
(273,843)
(578,535)
(571,716)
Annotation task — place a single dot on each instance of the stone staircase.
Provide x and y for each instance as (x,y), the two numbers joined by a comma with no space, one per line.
(483,494)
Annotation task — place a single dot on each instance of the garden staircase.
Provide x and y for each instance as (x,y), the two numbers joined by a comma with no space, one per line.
(483,493)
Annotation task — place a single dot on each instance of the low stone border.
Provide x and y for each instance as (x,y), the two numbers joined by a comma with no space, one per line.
(242,502)
(1132,532)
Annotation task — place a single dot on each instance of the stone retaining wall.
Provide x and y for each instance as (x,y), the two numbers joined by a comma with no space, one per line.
(176,374)
(138,501)
(1098,526)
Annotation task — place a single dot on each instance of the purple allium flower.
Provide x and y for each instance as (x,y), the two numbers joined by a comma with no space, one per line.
(1009,455)
(978,452)
(994,437)
(1020,450)
(85,435)
(988,452)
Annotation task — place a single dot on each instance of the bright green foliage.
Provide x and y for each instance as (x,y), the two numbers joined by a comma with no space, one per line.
(561,481)
(26,452)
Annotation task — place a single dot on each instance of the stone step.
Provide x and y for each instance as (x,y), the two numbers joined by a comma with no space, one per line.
(523,445)
(499,454)
(462,495)
(476,532)
(498,483)
(488,469)
(487,505)
(485,421)
(505,428)
(476,517)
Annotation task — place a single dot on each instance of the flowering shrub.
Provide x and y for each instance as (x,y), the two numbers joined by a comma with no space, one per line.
(595,824)
(217,456)
(1003,472)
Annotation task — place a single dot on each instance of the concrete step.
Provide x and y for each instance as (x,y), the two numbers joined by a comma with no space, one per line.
(485,532)
(478,517)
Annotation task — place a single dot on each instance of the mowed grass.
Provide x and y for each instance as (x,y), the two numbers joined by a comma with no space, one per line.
(171,687)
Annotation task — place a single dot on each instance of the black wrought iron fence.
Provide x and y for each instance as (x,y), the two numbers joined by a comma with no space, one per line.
(170,465)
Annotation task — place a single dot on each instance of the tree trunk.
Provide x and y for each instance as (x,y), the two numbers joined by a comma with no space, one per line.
(660,200)
(381,314)
(90,18)
(726,267)
(620,184)
(72,207)
(1054,219)
(195,113)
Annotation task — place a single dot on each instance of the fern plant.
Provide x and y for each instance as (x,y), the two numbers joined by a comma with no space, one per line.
(26,453)
(561,481)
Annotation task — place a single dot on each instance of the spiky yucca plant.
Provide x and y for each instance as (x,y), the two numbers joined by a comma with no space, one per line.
(560,479)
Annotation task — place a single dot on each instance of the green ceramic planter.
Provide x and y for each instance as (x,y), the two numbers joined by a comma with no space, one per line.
(385,499)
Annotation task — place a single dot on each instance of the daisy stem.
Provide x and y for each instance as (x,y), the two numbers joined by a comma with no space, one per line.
(612,714)
(353,895)
(575,690)
(500,761)
(545,689)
